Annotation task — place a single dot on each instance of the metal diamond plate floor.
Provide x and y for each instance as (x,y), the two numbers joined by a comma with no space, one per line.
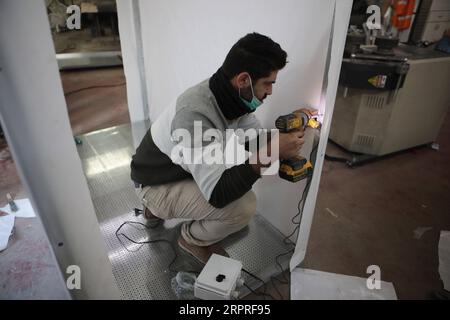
(142,271)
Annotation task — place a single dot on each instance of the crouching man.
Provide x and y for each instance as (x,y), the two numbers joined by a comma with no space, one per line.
(216,198)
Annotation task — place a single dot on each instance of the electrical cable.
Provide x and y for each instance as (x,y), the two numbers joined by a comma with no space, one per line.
(264,294)
(337,159)
(285,240)
(297,227)
(134,223)
(95,87)
(251,290)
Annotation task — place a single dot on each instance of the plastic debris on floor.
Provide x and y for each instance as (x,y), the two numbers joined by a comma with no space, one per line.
(25,210)
(17,209)
(317,285)
(6,226)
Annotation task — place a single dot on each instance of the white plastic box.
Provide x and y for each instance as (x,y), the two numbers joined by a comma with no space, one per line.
(218,279)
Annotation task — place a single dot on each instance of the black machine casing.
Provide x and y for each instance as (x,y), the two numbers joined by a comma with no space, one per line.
(372,74)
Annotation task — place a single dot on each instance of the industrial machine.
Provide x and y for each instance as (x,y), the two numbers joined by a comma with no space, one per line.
(297,168)
(431,21)
(391,99)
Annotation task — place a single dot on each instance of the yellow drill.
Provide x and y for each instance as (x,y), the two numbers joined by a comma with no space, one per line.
(297,168)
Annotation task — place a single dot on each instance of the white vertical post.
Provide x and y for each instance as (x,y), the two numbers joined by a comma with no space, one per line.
(33,114)
(339,32)
(129,17)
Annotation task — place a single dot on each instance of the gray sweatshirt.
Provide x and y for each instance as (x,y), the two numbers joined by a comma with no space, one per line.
(154,162)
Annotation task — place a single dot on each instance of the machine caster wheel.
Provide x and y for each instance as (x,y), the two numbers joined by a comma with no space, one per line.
(434,146)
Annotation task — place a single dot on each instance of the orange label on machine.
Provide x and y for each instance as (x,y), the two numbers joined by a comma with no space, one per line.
(378,81)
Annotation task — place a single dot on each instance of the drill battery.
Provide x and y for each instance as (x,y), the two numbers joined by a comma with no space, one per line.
(295,169)
(290,122)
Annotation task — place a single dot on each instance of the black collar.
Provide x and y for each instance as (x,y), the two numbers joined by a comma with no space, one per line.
(227,97)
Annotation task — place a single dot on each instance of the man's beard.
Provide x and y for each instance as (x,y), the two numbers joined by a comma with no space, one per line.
(248,93)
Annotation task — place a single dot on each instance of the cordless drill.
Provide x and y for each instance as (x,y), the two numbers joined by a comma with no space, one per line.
(296,168)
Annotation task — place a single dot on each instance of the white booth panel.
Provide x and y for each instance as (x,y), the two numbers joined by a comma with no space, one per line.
(185,42)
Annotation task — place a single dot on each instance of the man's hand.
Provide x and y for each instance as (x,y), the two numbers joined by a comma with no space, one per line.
(310,112)
(290,144)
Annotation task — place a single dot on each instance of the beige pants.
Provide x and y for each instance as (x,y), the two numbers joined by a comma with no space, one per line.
(183,199)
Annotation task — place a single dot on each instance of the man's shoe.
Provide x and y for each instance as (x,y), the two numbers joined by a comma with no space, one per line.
(202,254)
(152,220)
(149,215)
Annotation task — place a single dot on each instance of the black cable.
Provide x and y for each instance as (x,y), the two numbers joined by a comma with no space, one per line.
(297,223)
(301,201)
(258,294)
(251,290)
(303,198)
(262,281)
(95,87)
(264,294)
(337,159)
(147,242)
(288,242)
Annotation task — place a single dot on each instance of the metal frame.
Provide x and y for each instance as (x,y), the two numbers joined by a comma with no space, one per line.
(80,60)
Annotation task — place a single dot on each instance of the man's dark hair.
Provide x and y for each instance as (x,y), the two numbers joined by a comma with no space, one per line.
(256,54)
